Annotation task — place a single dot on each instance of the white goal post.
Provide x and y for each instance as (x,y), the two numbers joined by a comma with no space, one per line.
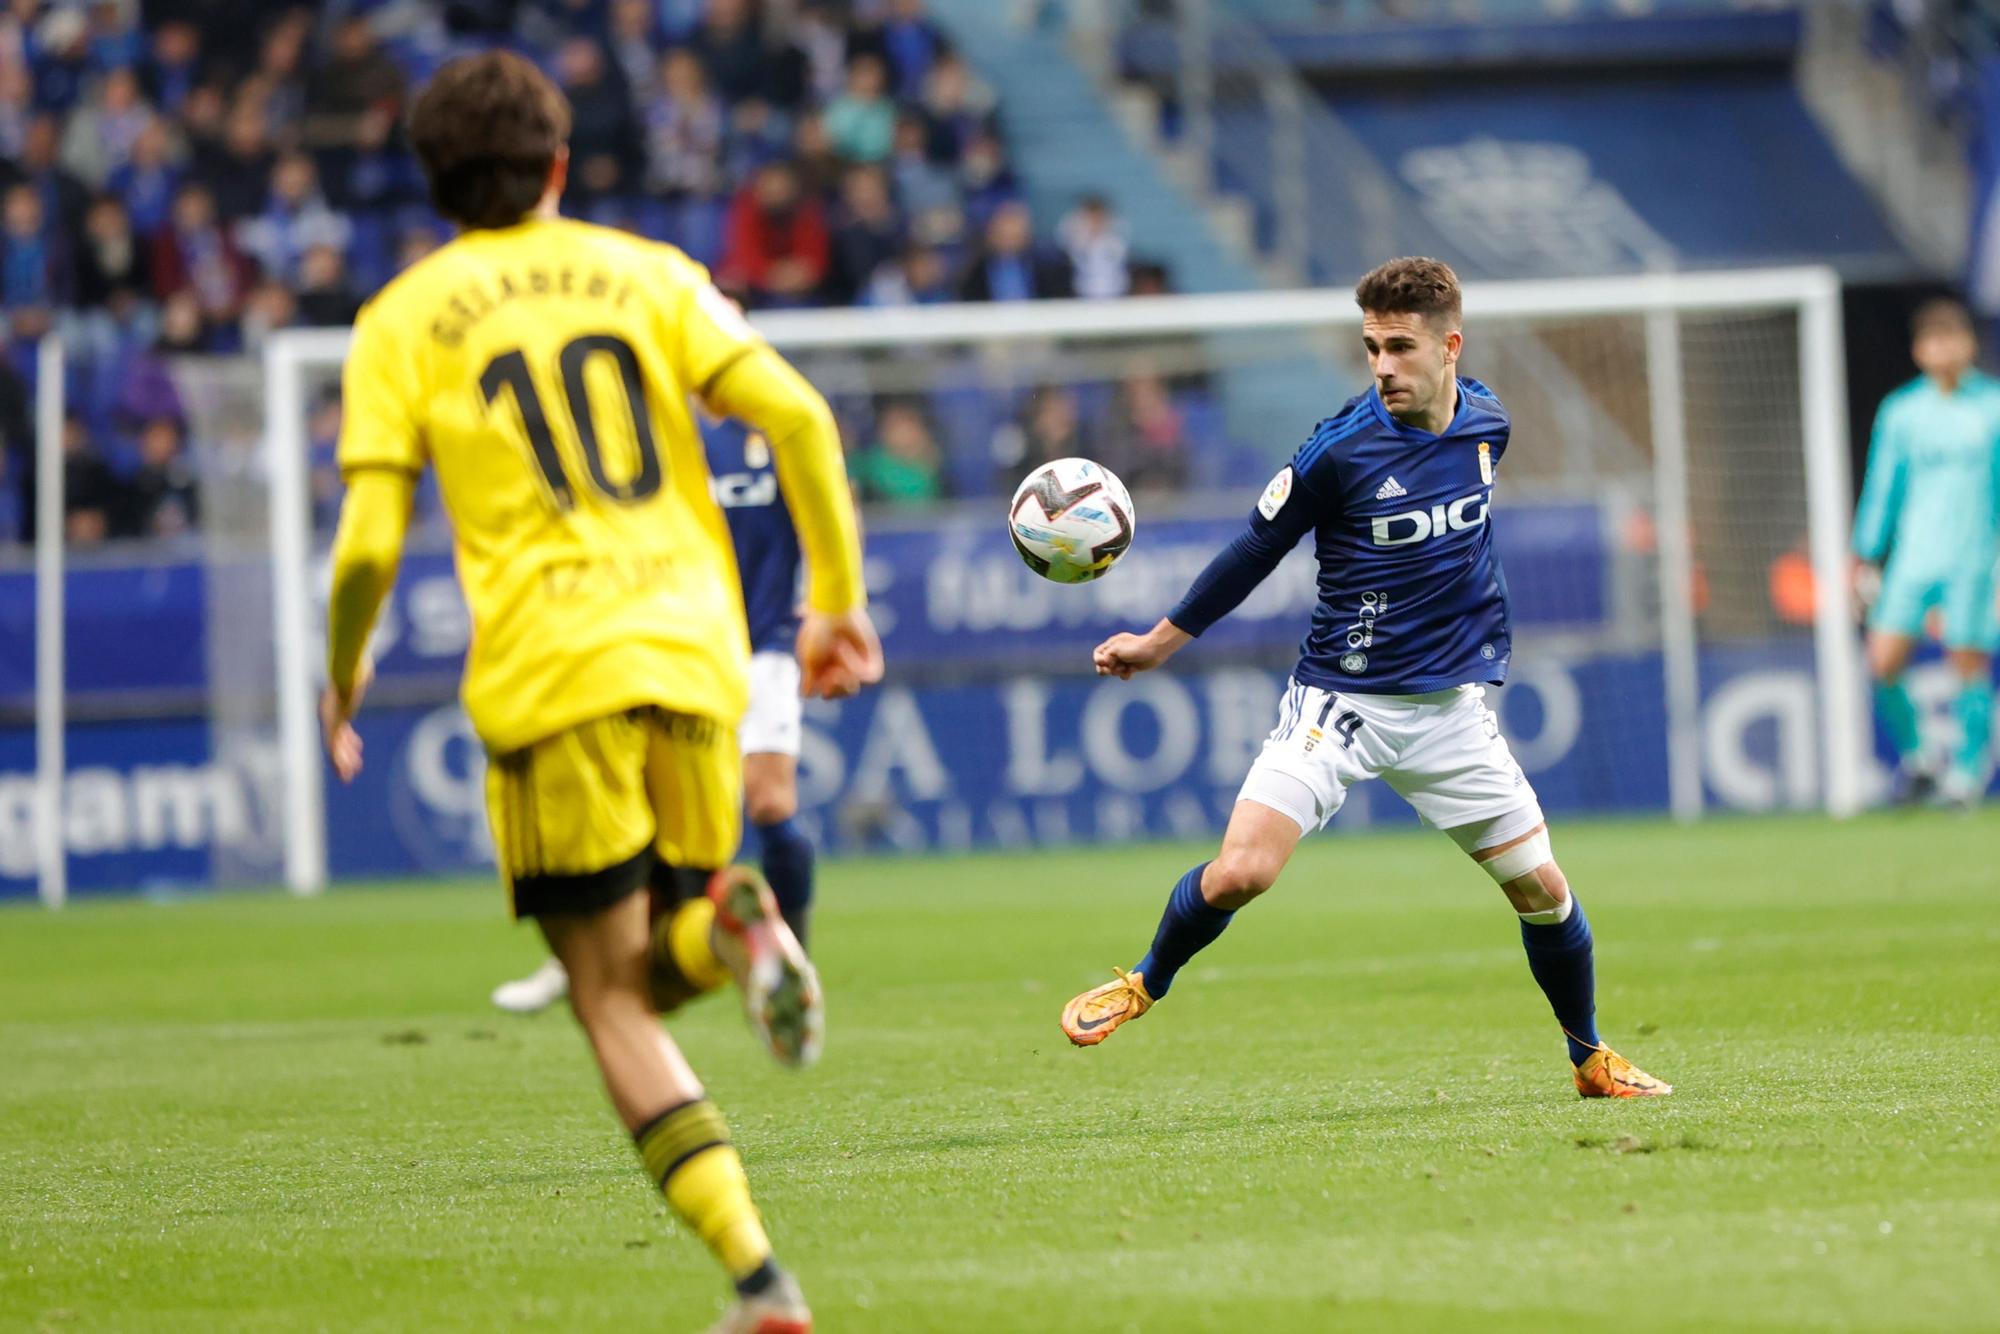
(1805,302)
(51,850)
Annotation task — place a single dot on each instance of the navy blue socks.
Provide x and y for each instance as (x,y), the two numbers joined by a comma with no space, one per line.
(1559,955)
(1560,958)
(788,865)
(1187,927)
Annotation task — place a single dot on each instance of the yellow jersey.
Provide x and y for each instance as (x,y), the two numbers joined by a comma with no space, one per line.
(545,370)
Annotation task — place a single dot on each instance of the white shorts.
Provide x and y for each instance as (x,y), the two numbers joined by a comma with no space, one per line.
(771,724)
(1442,752)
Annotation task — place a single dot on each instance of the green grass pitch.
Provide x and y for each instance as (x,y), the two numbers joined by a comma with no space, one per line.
(253,1113)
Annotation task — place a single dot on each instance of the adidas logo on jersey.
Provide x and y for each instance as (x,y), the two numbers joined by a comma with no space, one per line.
(1390,489)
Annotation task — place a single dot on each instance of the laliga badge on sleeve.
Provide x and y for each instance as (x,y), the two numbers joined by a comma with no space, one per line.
(725,314)
(1485,463)
(1276,494)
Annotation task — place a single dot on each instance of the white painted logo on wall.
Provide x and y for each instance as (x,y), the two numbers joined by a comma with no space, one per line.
(1521,207)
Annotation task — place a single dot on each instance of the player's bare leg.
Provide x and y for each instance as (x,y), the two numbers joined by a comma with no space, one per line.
(1255,848)
(1972,707)
(680,1135)
(1557,937)
(605,955)
(1889,654)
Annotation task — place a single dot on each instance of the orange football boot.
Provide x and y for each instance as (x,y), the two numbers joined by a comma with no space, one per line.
(1097,1013)
(1606,1074)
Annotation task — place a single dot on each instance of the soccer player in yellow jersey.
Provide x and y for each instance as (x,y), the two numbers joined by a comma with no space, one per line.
(544,368)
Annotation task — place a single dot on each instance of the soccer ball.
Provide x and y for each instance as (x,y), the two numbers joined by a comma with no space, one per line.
(1070,520)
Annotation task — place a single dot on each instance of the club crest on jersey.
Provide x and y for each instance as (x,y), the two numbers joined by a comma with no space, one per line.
(1400,530)
(1354,663)
(744,490)
(1276,494)
(1485,463)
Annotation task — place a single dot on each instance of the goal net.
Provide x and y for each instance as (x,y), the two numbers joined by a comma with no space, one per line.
(1671,517)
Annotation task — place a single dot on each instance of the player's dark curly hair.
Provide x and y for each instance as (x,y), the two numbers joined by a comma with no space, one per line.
(1412,286)
(487,128)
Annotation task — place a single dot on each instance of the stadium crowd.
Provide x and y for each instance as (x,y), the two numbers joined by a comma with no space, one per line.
(185,176)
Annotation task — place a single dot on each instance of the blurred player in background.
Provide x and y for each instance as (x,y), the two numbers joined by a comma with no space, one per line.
(1412,618)
(1927,532)
(545,367)
(767,560)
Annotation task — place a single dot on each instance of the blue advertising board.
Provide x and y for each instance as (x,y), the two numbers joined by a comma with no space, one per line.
(945,595)
(1013,761)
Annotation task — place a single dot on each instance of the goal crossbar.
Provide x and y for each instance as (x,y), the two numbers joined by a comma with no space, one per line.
(1018,321)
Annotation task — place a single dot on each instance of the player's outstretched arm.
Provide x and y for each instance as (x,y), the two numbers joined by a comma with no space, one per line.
(1123,655)
(381,456)
(1236,570)
(374,520)
(839,651)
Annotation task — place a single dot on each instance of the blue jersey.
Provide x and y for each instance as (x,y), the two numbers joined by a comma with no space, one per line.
(767,546)
(1411,598)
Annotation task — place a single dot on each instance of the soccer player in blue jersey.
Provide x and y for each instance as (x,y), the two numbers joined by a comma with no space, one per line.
(767,562)
(1928,532)
(1411,622)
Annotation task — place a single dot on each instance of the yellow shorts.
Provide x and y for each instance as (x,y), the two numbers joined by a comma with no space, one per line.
(580,819)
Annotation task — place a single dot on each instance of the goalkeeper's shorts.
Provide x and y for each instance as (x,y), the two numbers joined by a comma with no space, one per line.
(1964,597)
(581,818)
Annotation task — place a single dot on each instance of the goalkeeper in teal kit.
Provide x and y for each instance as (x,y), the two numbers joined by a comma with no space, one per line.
(1929,525)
